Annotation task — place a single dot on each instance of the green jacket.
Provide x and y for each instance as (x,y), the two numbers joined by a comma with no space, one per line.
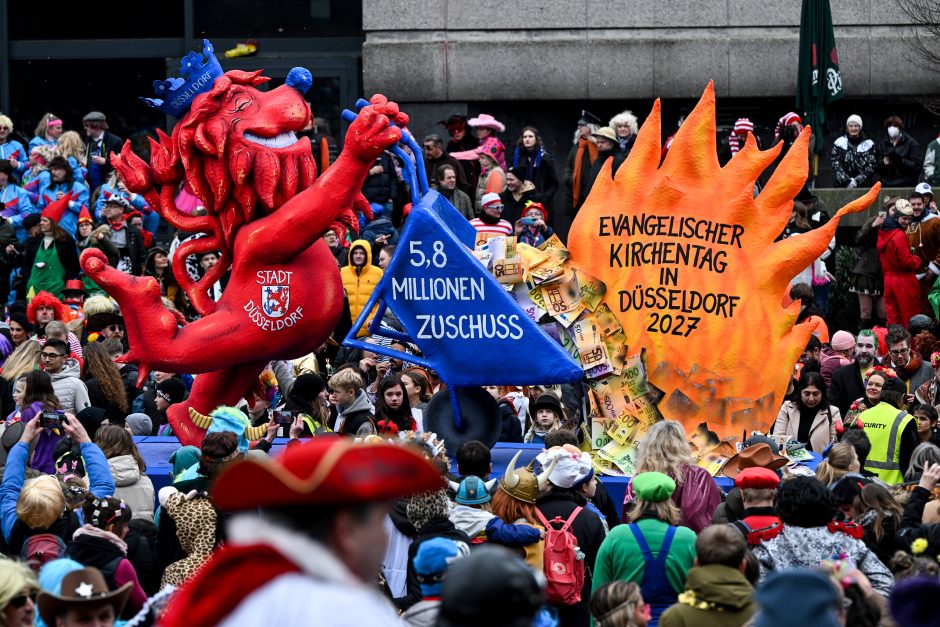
(621,558)
(725,587)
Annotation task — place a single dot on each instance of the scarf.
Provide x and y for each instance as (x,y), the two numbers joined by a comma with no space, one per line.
(906,372)
(486,218)
(584,144)
(532,158)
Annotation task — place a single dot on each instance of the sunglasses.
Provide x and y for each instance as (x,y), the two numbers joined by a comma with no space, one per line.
(20,601)
(115,327)
(52,355)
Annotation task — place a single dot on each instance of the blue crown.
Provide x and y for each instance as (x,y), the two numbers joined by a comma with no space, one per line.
(176,95)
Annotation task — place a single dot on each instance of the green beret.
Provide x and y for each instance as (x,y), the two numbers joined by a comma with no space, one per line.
(653,486)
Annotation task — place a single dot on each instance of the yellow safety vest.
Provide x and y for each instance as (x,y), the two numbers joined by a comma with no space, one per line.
(884,425)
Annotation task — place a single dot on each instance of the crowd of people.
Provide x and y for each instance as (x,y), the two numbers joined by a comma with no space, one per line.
(370,516)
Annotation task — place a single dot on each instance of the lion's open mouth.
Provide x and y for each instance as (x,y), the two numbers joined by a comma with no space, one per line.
(282,140)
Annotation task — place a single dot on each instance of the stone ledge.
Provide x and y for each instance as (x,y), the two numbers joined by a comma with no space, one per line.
(835,198)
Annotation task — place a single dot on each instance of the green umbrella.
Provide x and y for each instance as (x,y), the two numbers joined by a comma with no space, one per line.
(819,81)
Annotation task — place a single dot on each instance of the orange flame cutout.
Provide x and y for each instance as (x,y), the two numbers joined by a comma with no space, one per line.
(732,368)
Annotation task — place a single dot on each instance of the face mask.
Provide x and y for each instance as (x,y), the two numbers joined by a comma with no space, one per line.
(893,131)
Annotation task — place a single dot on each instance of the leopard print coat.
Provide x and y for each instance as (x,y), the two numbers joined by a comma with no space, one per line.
(195,527)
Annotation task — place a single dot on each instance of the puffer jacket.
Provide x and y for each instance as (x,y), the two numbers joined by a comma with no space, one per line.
(69,388)
(134,487)
(359,283)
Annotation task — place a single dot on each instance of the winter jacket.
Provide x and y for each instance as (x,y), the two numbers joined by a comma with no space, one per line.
(16,205)
(620,556)
(359,282)
(69,388)
(888,544)
(106,191)
(13,150)
(65,249)
(103,550)
(617,159)
(904,164)
(14,531)
(483,526)
(493,180)
(931,162)
(79,190)
(195,520)
(431,166)
(786,547)
(821,433)
(459,200)
(133,250)
(853,162)
(588,149)
(696,496)
(916,373)
(866,239)
(513,202)
(540,169)
(898,265)
(589,532)
(912,526)
(847,385)
(511,430)
(423,614)
(434,528)
(359,413)
(380,226)
(725,587)
(381,188)
(134,487)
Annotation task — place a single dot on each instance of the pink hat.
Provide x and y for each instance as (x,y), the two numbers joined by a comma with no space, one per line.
(842,341)
(485,120)
(494,148)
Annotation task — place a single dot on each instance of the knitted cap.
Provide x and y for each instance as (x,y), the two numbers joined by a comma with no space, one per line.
(491,198)
(842,341)
(743,126)
(854,119)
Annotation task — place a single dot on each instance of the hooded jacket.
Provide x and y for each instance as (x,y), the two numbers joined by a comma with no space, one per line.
(359,282)
(722,586)
(69,388)
(359,412)
(135,488)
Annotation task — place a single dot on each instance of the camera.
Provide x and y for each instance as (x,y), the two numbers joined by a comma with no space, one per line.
(285,418)
(529,221)
(52,420)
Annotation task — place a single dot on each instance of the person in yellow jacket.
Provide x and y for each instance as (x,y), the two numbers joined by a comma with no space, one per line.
(892,432)
(359,279)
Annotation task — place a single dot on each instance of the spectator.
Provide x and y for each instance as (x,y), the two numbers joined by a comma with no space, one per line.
(530,156)
(899,265)
(619,604)
(665,449)
(867,280)
(607,147)
(65,374)
(84,594)
(392,411)
(566,502)
(99,543)
(899,162)
(931,161)
(37,177)
(71,147)
(625,126)
(758,486)
(874,384)
(157,265)
(891,431)
(340,252)
(47,132)
(518,193)
(356,414)
(853,157)
(114,186)
(810,418)
(38,505)
(359,279)
(20,328)
(841,460)
(10,149)
(446,176)
(15,202)
(913,527)
(62,181)
(909,365)
(653,524)
(51,259)
(871,506)
(381,183)
(926,416)
(716,591)
(385,256)
(379,231)
(105,386)
(578,165)
(848,382)
(435,158)
(17,594)
(461,141)
(431,562)
(417,385)
(485,127)
(821,603)
(101,143)
(492,177)
(808,535)
(532,228)
(489,219)
(126,238)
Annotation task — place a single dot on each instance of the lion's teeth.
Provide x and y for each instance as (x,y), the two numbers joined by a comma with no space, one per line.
(282,140)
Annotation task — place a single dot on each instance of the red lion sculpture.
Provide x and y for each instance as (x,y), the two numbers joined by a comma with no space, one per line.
(267,213)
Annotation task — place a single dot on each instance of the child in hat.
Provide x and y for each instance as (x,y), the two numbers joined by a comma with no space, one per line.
(547,415)
(473,517)
(532,229)
(431,562)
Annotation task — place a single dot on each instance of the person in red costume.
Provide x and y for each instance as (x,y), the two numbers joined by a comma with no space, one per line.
(899,265)
(317,545)
(267,212)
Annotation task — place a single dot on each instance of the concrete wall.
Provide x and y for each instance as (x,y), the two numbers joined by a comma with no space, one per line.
(475,50)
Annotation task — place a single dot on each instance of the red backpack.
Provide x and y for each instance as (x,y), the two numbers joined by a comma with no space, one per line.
(564,562)
(40,549)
